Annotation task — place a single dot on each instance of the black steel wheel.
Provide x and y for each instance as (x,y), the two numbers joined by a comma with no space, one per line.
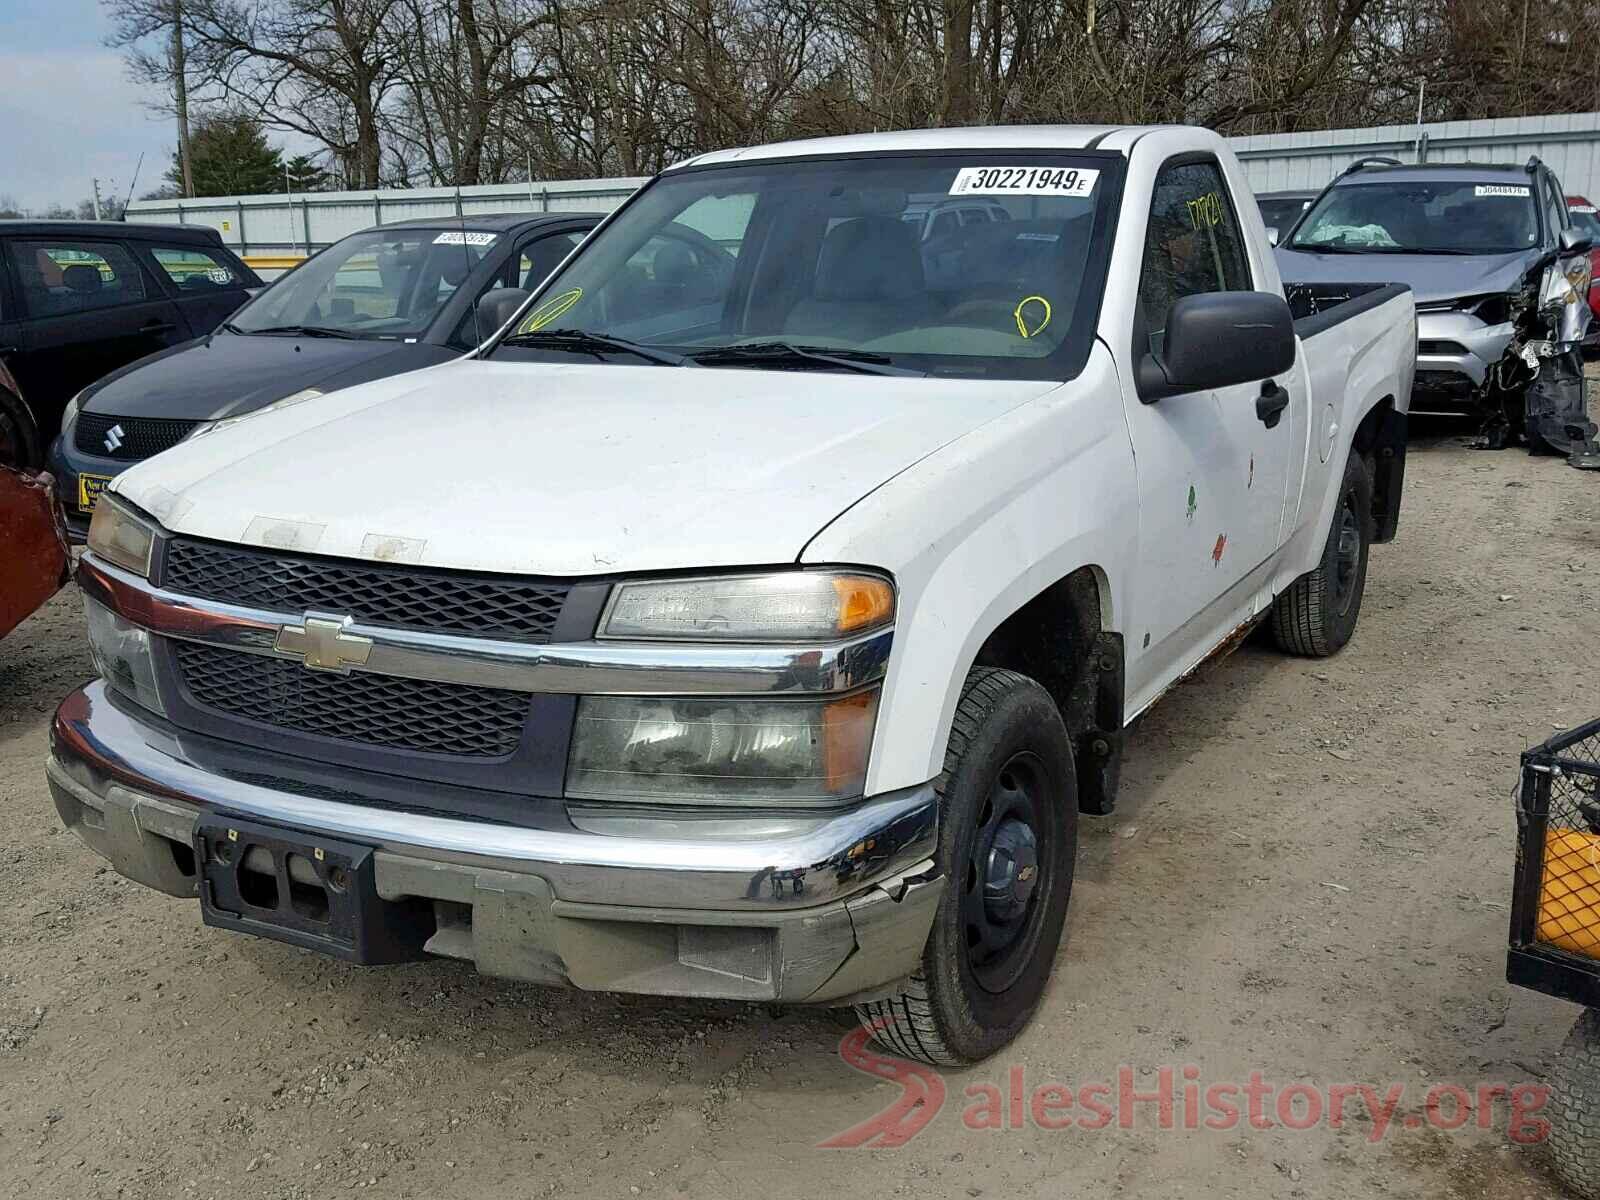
(1008,841)
(1316,614)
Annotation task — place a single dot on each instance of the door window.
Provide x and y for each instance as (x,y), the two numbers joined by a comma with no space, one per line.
(195,271)
(540,257)
(61,277)
(526,269)
(1192,246)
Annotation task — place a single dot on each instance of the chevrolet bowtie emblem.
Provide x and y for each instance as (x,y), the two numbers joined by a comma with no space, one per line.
(1027,873)
(324,645)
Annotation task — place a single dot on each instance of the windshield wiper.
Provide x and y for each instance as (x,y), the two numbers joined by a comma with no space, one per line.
(305,331)
(1330,248)
(788,353)
(581,341)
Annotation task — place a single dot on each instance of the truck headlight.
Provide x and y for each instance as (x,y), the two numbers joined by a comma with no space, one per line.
(697,751)
(120,537)
(122,655)
(787,606)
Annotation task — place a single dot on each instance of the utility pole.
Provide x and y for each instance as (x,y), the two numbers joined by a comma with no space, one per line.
(180,96)
(96,184)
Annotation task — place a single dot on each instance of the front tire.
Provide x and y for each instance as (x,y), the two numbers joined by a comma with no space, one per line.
(1316,614)
(1008,843)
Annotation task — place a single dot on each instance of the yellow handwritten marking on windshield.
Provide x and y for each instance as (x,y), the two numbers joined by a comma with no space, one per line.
(1205,211)
(551,310)
(1022,324)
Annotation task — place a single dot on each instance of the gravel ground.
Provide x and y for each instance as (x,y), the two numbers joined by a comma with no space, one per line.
(1308,877)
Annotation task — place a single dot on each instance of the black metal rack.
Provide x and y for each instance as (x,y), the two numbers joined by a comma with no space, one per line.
(1555,904)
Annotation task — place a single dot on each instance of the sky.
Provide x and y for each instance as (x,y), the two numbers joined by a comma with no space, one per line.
(68,112)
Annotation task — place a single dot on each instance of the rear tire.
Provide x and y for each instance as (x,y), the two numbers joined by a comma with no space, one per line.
(1008,841)
(1575,1115)
(1316,614)
(19,436)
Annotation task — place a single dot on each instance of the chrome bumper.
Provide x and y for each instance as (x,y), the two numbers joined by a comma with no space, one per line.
(812,908)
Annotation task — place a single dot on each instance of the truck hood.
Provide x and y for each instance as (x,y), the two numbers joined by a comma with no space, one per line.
(228,374)
(1431,277)
(563,469)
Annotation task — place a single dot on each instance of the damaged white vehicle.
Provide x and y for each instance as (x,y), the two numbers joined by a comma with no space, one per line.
(754,615)
(1500,276)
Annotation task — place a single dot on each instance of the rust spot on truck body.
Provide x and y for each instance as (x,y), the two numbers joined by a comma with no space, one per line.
(33,546)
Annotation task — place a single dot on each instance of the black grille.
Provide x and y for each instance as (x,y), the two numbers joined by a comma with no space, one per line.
(378,710)
(411,598)
(135,438)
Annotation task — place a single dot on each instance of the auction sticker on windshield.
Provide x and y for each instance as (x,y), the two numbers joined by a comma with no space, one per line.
(465,239)
(1510,189)
(1023,181)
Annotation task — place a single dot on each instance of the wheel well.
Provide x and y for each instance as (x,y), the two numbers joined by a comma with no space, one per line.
(1059,639)
(1381,440)
(35,442)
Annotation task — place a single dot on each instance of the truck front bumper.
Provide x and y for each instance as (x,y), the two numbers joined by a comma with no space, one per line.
(825,909)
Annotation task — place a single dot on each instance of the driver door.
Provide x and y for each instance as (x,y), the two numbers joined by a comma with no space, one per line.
(1212,477)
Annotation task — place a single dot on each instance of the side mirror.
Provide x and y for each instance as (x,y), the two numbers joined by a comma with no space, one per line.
(1219,339)
(1272,234)
(498,306)
(1573,242)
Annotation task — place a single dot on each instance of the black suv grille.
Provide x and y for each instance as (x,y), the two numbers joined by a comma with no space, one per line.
(379,710)
(413,598)
(128,438)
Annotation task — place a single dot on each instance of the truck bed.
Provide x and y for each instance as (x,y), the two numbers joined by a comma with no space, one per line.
(1320,306)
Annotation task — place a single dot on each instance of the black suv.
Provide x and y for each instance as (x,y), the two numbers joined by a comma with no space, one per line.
(380,302)
(78,299)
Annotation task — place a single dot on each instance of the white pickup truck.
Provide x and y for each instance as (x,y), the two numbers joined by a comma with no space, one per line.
(753,615)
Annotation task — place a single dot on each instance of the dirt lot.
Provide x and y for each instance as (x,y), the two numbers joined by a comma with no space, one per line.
(1308,878)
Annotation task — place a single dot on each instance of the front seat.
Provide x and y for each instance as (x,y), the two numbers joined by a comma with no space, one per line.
(83,281)
(869,283)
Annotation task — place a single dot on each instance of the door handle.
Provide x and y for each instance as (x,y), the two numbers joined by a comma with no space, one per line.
(5,350)
(1271,403)
(157,327)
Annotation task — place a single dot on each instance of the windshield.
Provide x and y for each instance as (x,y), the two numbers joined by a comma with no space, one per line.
(1445,217)
(841,256)
(382,283)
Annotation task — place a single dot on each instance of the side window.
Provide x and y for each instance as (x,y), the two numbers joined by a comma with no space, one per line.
(526,269)
(540,257)
(944,223)
(974,216)
(1192,246)
(193,270)
(60,277)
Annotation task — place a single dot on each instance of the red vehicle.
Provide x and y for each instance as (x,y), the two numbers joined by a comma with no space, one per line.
(1587,219)
(33,550)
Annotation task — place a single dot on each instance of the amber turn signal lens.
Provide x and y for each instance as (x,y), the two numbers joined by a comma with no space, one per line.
(865,602)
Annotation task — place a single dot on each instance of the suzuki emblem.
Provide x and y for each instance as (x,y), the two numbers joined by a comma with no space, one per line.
(324,644)
(114,437)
